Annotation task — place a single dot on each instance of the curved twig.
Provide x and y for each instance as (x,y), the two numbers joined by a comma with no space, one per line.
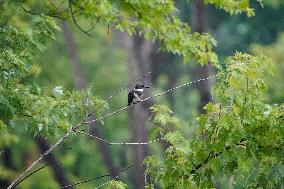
(75,21)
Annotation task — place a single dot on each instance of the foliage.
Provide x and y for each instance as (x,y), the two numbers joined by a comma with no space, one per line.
(240,136)
(24,104)
(155,20)
(234,6)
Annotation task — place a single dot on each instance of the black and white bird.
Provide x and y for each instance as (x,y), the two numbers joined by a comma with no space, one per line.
(135,94)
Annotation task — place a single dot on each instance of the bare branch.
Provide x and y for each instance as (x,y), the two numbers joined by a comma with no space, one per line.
(118,91)
(107,175)
(105,183)
(40,168)
(23,175)
(95,137)
(149,98)
(119,143)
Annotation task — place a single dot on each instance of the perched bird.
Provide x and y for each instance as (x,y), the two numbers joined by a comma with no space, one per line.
(135,94)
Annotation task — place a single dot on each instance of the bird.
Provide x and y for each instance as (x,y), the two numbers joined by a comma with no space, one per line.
(135,94)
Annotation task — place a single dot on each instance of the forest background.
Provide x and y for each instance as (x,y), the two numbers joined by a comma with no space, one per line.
(60,60)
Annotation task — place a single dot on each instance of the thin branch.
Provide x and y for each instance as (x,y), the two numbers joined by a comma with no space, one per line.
(213,156)
(118,91)
(107,175)
(105,183)
(149,98)
(119,143)
(95,137)
(75,21)
(40,168)
(22,176)
(93,27)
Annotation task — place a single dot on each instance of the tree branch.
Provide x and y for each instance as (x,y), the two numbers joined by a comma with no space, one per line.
(50,159)
(213,155)
(107,175)
(118,91)
(118,143)
(105,183)
(148,98)
(23,175)
(75,21)
(40,168)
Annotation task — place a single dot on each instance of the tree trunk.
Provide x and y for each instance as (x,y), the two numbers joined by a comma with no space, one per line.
(138,64)
(198,20)
(80,83)
(7,161)
(59,173)
(71,50)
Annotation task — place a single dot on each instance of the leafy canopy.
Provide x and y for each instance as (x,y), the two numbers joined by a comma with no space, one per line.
(27,26)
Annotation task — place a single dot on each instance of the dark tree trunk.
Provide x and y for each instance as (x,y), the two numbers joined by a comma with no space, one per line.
(6,154)
(198,21)
(58,172)
(80,83)
(138,64)
(104,150)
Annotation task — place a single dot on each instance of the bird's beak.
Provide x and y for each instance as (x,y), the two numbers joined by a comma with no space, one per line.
(146,87)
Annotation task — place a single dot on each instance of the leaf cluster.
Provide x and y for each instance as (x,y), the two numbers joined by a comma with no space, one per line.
(234,6)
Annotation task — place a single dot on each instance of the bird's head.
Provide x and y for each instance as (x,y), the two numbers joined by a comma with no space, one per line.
(138,86)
